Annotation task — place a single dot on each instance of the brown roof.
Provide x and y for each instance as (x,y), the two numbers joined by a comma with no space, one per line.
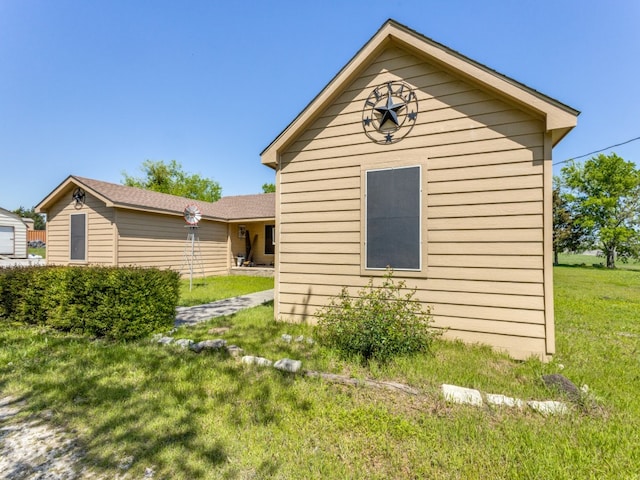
(240,207)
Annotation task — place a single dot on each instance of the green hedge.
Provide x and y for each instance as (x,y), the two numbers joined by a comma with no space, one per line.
(116,303)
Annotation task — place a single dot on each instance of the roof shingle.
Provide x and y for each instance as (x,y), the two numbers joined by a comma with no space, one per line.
(239,207)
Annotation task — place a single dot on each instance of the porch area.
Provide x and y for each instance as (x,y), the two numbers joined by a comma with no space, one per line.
(257,271)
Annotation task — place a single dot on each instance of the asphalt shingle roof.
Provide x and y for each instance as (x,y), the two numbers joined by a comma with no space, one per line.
(239,207)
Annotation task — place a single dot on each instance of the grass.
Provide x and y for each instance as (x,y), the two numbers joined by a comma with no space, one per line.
(211,289)
(595,261)
(37,251)
(204,415)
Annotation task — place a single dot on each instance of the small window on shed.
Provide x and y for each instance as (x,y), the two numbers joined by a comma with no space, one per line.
(78,234)
(269,239)
(393,218)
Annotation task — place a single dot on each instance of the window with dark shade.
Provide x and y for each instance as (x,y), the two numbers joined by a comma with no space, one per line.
(393,212)
(78,237)
(269,239)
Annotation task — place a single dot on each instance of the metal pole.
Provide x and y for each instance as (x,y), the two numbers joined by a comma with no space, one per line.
(193,239)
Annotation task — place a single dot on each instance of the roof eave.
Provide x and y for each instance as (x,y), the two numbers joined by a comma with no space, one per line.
(163,211)
(252,219)
(557,115)
(269,155)
(44,204)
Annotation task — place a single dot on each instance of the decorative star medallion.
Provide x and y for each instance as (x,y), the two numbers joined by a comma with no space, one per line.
(390,112)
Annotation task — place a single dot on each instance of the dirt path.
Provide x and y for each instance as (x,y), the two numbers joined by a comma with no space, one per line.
(33,449)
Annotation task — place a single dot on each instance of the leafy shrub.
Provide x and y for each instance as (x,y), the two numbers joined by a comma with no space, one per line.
(117,303)
(379,323)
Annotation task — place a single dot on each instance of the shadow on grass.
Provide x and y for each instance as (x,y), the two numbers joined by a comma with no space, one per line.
(140,405)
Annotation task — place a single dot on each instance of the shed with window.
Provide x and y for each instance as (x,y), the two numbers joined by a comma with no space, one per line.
(419,158)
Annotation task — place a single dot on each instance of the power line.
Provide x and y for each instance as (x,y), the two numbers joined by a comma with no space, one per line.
(597,151)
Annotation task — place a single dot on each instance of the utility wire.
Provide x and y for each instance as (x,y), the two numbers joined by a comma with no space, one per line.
(597,151)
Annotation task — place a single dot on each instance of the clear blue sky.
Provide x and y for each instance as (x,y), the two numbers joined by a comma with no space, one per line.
(95,87)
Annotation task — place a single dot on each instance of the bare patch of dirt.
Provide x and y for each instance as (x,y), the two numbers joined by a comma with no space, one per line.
(33,449)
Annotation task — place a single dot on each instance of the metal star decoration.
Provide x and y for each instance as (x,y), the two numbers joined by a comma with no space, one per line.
(390,111)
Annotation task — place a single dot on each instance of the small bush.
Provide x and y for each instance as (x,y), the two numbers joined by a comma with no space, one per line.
(379,323)
(116,303)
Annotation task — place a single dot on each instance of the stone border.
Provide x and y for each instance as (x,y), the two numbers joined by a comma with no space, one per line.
(451,393)
(470,396)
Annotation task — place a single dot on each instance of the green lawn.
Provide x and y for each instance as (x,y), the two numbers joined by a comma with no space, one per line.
(595,261)
(211,289)
(193,416)
(37,251)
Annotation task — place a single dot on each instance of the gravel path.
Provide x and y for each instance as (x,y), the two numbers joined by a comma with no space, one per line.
(34,449)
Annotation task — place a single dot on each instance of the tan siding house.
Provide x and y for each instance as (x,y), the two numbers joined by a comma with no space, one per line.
(417,157)
(100,223)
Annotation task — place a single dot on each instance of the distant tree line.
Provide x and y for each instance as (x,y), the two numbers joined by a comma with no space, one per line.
(39,222)
(596,205)
(172,179)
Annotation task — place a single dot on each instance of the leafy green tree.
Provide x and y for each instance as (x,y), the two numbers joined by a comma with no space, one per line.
(39,222)
(268,188)
(604,193)
(568,234)
(171,178)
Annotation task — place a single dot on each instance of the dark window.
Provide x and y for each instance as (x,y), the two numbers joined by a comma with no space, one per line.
(269,239)
(78,237)
(393,218)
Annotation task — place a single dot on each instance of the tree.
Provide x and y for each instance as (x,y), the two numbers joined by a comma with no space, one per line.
(268,188)
(171,178)
(604,193)
(39,222)
(568,234)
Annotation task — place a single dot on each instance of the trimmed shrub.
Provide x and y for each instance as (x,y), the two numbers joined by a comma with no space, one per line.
(379,323)
(116,303)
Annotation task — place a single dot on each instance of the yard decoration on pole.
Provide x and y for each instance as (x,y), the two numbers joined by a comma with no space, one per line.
(192,254)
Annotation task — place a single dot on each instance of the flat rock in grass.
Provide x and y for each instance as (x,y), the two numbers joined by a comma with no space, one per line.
(467,396)
(549,407)
(165,340)
(503,400)
(218,330)
(562,384)
(183,342)
(288,365)
(208,345)
(286,337)
(260,361)
(235,351)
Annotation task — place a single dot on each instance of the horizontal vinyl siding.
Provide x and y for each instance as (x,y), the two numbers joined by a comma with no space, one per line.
(152,240)
(100,231)
(483,272)
(19,249)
